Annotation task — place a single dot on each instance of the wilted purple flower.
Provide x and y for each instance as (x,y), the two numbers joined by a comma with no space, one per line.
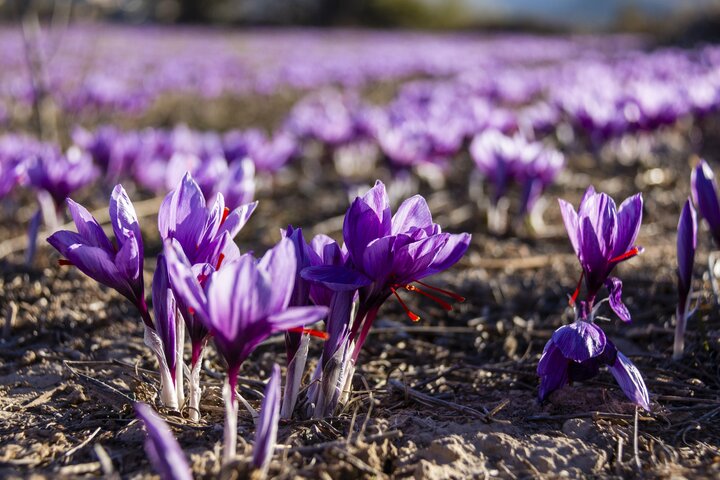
(576,352)
(267,424)
(705,195)
(161,447)
(205,235)
(603,236)
(686,245)
(91,251)
(242,304)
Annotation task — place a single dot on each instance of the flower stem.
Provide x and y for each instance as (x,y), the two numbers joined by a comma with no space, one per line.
(231,413)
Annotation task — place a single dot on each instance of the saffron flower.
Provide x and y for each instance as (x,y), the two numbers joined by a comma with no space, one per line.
(267,425)
(242,304)
(205,235)
(705,195)
(576,352)
(599,234)
(603,236)
(385,254)
(161,447)
(118,266)
(686,245)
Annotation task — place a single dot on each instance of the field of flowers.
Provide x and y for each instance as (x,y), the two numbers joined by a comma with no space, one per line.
(357,254)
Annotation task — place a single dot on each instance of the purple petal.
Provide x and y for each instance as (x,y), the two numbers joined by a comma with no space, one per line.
(164,310)
(161,447)
(601,211)
(361,226)
(579,341)
(630,380)
(591,256)
(552,369)
(184,216)
(378,200)
(124,220)
(570,218)
(449,255)
(413,212)
(88,227)
(614,286)
(267,425)
(296,317)
(629,218)
(237,219)
(686,245)
(281,264)
(705,195)
(183,280)
(336,277)
(97,264)
(234,300)
(129,264)
(412,261)
(378,258)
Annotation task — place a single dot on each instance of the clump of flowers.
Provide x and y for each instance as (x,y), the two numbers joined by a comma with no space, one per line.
(504,161)
(385,254)
(602,236)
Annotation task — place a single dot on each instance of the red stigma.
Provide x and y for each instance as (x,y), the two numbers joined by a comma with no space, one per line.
(413,316)
(447,293)
(629,254)
(575,294)
(191,311)
(311,332)
(225,214)
(220,260)
(439,301)
(65,263)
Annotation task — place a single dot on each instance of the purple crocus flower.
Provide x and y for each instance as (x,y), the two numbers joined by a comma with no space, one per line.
(705,195)
(267,425)
(238,184)
(58,174)
(686,245)
(242,304)
(205,235)
(603,236)
(576,352)
(388,253)
(161,447)
(118,266)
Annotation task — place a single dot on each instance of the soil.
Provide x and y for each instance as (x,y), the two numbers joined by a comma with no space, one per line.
(453,396)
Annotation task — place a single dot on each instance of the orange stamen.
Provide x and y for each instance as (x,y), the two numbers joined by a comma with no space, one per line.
(311,332)
(629,254)
(226,212)
(64,262)
(440,301)
(447,293)
(413,317)
(577,290)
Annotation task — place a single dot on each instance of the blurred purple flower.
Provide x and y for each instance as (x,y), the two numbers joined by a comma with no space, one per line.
(161,447)
(58,174)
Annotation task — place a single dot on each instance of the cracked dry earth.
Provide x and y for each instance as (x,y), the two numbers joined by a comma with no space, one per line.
(453,396)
